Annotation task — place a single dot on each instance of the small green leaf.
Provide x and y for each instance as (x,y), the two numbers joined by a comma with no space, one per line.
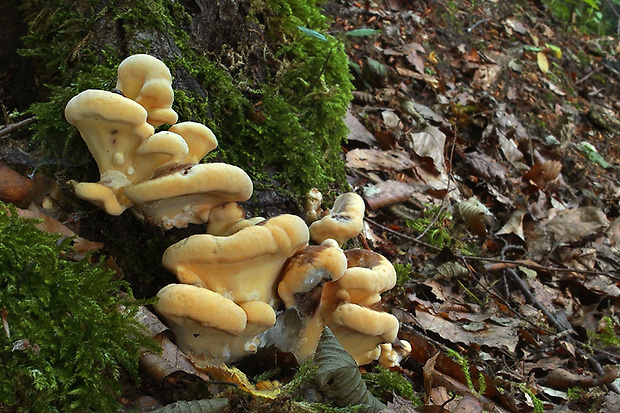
(590,151)
(312,33)
(338,377)
(362,32)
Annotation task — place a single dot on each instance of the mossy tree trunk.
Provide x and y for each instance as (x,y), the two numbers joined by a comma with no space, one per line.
(274,95)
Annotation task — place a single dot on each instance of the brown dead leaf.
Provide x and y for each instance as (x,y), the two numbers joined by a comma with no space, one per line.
(540,174)
(509,148)
(486,167)
(572,225)
(490,335)
(429,144)
(357,131)
(14,187)
(387,193)
(564,379)
(373,159)
(486,76)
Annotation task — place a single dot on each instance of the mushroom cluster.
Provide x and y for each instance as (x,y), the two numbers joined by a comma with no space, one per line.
(157,175)
(234,278)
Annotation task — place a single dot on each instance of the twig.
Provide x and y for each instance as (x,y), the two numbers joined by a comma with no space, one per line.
(14,126)
(526,264)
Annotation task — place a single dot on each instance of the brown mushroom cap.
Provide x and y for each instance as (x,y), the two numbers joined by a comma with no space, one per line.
(345,220)
(368,274)
(147,80)
(308,269)
(199,138)
(188,195)
(244,266)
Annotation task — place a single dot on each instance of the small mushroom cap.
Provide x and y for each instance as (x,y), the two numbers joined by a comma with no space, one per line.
(181,301)
(244,266)
(147,80)
(101,196)
(309,269)
(188,195)
(360,330)
(345,220)
(367,276)
(229,218)
(159,151)
(312,205)
(112,127)
(199,138)
(203,322)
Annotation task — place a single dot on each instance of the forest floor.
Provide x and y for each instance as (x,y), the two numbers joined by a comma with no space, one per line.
(484,142)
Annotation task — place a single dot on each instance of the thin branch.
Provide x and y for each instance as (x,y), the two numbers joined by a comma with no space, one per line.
(15,126)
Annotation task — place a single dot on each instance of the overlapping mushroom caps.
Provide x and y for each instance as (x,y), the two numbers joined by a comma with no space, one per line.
(237,272)
(155,174)
(325,286)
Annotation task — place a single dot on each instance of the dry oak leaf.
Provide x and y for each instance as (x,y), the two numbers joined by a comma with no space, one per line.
(377,160)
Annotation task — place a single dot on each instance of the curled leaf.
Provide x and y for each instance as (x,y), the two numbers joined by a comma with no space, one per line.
(338,376)
(473,213)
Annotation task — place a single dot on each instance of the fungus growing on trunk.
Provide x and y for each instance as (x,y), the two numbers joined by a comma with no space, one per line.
(155,174)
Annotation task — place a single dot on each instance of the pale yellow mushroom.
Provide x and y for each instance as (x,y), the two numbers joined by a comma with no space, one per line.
(368,275)
(186,196)
(229,218)
(344,221)
(200,139)
(244,266)
(147,80)
(203,321)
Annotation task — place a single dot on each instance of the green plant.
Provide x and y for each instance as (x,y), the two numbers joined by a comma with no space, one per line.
(385,380)
(403,273)
(435,225)
(607,334)
(482,384)
(538,404)
(69,326)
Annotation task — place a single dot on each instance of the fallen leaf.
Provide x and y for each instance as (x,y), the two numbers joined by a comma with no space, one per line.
(573,225)
(374,159)
(543,63)
(429,143)
(387,193)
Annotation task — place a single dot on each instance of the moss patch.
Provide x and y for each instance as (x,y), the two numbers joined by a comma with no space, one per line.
(64,339)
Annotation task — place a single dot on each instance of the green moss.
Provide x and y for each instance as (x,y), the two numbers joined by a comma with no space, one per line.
(384,380)
(65,339)
(291,124)
(403,273)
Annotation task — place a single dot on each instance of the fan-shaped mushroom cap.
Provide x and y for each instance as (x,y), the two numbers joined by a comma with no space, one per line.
(345,220)
(203,321)
(309,269)
(367,276)
(199,138)
(112,126)
(187,195)
(158,151)
(360,330)
(244,266)
(147,80)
